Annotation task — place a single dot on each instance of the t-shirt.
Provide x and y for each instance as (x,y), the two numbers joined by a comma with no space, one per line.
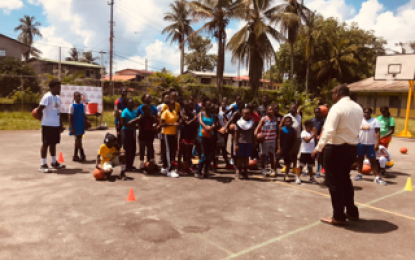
(269,129)
(170,117)
(189,132)
(129,115)
(52,110)
(262,111)
(146,132)
(307,147)
(71,109)
(141,112)
(177,108)
(106,153)
(245,135)
(367,133)
(120,106)
(379,152)
(385,124)
(296,123)
(318,124)
(254,117)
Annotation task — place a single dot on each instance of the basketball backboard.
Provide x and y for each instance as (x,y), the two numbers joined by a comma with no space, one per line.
(395,67)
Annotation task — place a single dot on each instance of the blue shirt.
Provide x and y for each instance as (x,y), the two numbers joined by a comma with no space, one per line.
(129,115)
(207,121)
(141,112)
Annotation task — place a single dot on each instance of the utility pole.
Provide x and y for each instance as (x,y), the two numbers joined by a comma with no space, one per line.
(146,64)
(59,67)
(111,42)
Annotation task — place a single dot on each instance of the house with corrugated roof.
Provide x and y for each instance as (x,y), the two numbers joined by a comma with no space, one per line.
(10,47)
(243,81)
(374,94)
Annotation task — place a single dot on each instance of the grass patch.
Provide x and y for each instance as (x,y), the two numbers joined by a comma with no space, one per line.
(25,121)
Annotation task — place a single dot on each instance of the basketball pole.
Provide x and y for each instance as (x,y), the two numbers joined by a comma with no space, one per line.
(405,132)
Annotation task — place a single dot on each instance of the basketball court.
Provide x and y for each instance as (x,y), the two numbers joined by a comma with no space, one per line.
(69,215)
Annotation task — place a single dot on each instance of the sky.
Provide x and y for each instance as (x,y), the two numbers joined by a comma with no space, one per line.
(84,24)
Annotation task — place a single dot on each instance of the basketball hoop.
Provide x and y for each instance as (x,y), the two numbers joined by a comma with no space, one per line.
(390,78)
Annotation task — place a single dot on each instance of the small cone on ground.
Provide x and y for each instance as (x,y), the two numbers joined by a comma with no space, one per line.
(60,158)
(408,186)
(131,196)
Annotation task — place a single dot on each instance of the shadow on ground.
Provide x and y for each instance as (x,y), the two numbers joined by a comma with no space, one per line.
(373,226)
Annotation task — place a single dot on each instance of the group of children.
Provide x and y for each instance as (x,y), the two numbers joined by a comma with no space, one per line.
(188,129)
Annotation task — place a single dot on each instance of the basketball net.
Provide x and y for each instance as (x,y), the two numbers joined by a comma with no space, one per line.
(390,78)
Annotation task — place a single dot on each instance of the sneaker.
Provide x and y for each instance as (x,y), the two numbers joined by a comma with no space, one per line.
(141,167)
(264,172)
(173,174)
(358,177)
(164,171)
(305,173)
(232,162)
(44,168)
(229,167)
(284,169)
(313,181)
(380,181)
(76,158)
(318,175)
(58,166)
(298,181)
(191,170)
(272,174)
(294,170)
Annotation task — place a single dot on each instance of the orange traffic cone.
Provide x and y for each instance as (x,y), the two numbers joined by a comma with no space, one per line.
(131,196)
(60,159)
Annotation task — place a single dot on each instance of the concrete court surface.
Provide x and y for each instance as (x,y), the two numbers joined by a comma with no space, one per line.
(69,215)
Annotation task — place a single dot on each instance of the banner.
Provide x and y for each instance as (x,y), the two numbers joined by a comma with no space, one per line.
(89,95)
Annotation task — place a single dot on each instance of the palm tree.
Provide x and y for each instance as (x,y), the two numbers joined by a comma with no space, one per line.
(312,30)
(180,26)
(88,58)
(73,55)
(341,61)
(288,17)
(29,29)
(252,45)
(219,13)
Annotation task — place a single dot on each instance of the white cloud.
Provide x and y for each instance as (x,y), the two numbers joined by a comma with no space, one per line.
(49,43)
(8,5)
(331,8)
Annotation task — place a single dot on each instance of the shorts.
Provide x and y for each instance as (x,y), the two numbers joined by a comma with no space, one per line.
(51,134)
(245,150)
(306,159)
(111,164)
(267,148)
(368,150)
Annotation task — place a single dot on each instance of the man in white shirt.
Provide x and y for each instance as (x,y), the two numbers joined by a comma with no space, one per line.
(49,111)
(297,125)
(340,138)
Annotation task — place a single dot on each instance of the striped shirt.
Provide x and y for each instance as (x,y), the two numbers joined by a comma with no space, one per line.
(269,129)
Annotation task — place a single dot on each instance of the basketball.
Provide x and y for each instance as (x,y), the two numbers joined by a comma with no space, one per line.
(232,128)
(366,169)
(324,110)
(260,138)
(404,150)
(150,166)
(35,114)
(99,174)
(253,165)
(184,166)
(206,133)
(222,130)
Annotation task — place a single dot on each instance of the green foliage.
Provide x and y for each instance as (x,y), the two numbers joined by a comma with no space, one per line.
(198,59)
(15,68)
(290,94)
(29,97)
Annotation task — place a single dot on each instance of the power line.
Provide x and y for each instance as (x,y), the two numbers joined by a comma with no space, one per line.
(150,19)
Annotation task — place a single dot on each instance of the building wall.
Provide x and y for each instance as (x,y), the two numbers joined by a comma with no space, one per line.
(13,49)
(397,103)
(46,67)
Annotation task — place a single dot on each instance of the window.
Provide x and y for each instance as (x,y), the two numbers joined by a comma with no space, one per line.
(88,73)
(394,101)
(205,81)
(2,53)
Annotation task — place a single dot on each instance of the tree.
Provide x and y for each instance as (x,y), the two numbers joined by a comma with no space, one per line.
(219,13)
(73,55)
(252,45)
(312,31)
(198,59)
(28,31)
(88,58)
(180,26)
(13,68)
(288,17)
